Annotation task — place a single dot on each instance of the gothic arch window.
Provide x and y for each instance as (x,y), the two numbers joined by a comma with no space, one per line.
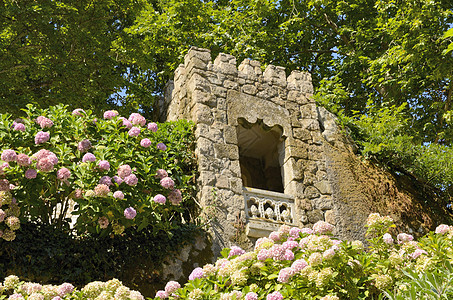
(259,155)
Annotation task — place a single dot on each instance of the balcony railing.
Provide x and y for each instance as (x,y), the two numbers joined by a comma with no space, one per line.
(266,211)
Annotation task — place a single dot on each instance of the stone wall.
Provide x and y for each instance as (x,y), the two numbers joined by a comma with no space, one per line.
(313,153)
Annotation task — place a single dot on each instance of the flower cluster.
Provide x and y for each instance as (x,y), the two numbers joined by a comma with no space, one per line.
(311,264)
(112,289)
(97,163)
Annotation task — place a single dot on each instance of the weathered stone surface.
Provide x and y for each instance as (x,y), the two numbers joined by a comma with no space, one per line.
(275,75)
(226,151)
(301,134)
(303,203)
(311,192)
(222,182)
(230,135)
(202,114)
(324,187)
(315,216)
(323,202)
(329,215)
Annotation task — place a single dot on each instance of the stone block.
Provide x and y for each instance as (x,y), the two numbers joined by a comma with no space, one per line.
(311,192)
(230,85)
(225,58)
(202,114)
(206,178)
(330,217)
(197,82)
(308,111)
(236,185)
(297,152)
(303,203)
(230,135)
(204,147)
(324,187)
(301,134)
(204,98)
(323,203)
(315,216)
(226,151)
(249,89)
(222,181)
(199,53)
(275,75)
(235,168)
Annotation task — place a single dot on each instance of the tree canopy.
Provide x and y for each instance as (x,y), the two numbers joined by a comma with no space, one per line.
(388,58)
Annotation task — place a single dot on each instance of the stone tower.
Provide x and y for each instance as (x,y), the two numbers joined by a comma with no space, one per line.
(267,155)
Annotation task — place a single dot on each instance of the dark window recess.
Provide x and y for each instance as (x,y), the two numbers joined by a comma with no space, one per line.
(259,147)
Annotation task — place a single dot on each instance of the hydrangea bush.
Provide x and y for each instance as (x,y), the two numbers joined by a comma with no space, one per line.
(112,172)
(295,263)
(15,289)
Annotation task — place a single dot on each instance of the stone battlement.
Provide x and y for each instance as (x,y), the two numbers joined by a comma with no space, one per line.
(222,74)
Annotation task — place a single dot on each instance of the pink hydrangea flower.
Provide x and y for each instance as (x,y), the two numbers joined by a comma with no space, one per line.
(84,145)
(290,245)
(78,194)
(328,254)
(63,174)
(294,232)
(162,294)
(275,236)
(126,123)
(172,286)
(118,179)
(289,255)
(101,190)
(45,164)
(42,137)
(274,296)
(235,250)
(306,231)
(134,131)
(3,166)
(251,296)
(284,275)
(2,215)
(110,114)
(78,112)
(152,126)
(124,171)
(65,288)
(23,160)
(145,143)
(137,119)
(161,146)
(9,155)
(322,227)
(118,195)
(104,165)
(130,213)
(417,253)
(299,265)
(16,297)
(404,238)
(263,254)
(103,222)
(442,229)
(19,127)
(167,183)
(89,157)
(31,173)
(159,199)
(131,180)
(44,122)
(196,273)
(387,238)
(175,197)
(105,180)
(161,173)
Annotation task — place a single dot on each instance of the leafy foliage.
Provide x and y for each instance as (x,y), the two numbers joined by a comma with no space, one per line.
(89,184)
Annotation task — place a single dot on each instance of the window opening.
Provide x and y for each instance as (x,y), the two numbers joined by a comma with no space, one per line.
(259,156)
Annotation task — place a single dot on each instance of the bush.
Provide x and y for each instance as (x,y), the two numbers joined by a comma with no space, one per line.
(310,264)
(113,173)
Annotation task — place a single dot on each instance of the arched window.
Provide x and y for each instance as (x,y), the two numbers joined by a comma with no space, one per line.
(259,155)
